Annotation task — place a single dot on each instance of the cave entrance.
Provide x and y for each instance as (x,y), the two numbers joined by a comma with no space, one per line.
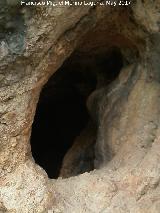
(61,113)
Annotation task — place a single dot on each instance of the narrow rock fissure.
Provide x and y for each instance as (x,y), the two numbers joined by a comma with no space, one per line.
(62,114)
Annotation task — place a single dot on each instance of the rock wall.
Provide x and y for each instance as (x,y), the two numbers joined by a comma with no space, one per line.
(34,42)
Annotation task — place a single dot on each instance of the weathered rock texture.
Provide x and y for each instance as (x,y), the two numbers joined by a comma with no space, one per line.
(34,42)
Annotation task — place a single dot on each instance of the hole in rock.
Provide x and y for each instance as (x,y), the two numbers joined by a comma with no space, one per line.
(61,113)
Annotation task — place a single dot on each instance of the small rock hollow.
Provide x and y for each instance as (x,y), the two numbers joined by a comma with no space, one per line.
(62,113)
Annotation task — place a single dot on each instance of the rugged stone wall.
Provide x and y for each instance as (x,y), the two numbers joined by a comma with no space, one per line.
(34,42)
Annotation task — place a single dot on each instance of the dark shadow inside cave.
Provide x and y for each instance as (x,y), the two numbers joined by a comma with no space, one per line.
(61,112)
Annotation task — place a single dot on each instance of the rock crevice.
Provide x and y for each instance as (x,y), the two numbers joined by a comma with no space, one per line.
(112,164)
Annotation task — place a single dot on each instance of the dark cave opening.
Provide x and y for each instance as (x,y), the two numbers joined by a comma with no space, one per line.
(61,113)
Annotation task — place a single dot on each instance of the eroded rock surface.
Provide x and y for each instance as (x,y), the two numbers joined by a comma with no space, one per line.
(34,42)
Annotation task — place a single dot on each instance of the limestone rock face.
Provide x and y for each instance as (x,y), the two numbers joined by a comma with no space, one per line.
(34,43)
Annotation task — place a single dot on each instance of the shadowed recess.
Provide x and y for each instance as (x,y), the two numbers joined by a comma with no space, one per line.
(61,113)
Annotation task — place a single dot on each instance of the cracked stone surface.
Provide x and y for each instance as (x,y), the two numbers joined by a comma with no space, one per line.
(34,43)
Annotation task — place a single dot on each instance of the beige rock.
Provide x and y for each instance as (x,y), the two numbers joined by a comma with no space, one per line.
(127,172)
